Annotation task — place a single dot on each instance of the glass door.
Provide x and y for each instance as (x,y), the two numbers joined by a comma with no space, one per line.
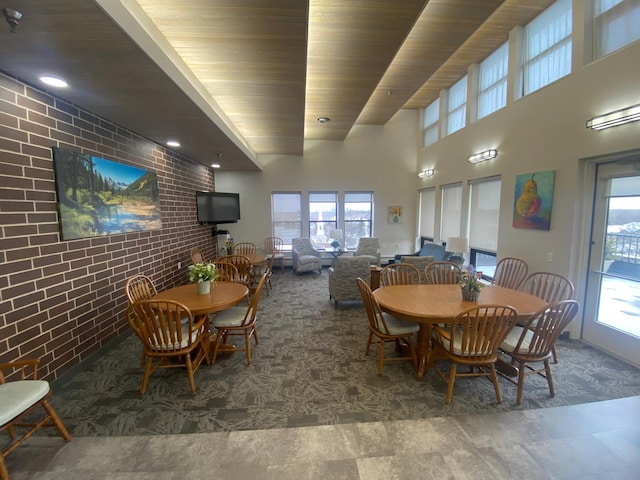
(612,302)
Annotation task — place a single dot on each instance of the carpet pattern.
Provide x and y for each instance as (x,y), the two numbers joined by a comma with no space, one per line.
(309,369)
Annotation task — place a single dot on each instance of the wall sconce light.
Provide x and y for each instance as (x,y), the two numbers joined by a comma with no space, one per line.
(426,173)
(613,119)
(482,156)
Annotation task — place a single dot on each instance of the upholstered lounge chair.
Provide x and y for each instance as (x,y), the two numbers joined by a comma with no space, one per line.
(343,278)
(304,257)
(368,246)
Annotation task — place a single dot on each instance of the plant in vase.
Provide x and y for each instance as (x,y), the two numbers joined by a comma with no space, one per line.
(203,274)
(229,245)
(470,284)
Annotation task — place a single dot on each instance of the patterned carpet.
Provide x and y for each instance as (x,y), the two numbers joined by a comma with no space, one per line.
(309,369)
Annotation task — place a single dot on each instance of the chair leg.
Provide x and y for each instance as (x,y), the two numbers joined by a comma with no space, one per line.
(366,352)
(247,339)
(4,473)
(450,382)
(56,421)
(255,335)
(216,345)
(192,380)
(147,374)
(496,386)
(521,375)
(547,369)
(555,355)
(380,356)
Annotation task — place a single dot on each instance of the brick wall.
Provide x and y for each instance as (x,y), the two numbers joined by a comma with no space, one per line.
(62,300)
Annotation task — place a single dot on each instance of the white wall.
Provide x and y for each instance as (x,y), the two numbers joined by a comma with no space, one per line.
(545,131)
(372,158)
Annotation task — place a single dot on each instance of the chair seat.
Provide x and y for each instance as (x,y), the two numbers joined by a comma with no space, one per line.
(18,396)
(509,343)
(308,259)
(231,317)
(399,327)
(277,256)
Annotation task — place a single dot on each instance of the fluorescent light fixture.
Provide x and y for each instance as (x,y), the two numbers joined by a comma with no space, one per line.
(173,143)
(53,81)
(215,165)
(426,173)
(482,156)
(613,119)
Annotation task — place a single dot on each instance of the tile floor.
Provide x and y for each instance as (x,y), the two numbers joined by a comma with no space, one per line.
(590,441)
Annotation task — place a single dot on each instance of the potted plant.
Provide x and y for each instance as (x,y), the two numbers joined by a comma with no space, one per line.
(470,284)
(229,245)
(203,274)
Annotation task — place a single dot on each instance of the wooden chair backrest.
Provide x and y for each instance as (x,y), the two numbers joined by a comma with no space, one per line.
(159,326)
(481,330)
(243,264)
(252,309)
(228,272)
(243,248)
(399,274)
(273,245)
(543,329)
(377,323)
(551,287)
(441,273)
(510,272)
(197,256)
(139,287)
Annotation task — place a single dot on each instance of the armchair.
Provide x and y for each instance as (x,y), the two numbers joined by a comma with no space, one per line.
(369,246)
(343,278)
(304,257)
(21,395)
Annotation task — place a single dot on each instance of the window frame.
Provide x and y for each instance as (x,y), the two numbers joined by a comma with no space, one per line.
(274,231)
(431,114)
(458,89)
(499,56)
(349,240)
(531,61)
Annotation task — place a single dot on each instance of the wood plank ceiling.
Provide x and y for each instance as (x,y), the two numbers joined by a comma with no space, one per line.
(236,80)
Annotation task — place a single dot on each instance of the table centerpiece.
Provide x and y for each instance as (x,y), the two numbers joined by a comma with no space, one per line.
(203,275)
(469,281)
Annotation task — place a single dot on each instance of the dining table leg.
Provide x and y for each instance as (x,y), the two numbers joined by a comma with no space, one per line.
(423,348)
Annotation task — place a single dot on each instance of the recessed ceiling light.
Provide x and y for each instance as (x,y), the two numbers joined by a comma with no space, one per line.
(323,119)
(215,165)
(53,81)
(173,143)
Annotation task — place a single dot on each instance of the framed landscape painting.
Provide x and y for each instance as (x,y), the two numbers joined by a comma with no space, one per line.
(533,200)
(100,197)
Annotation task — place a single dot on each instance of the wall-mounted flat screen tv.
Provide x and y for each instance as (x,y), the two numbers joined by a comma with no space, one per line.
(217,207)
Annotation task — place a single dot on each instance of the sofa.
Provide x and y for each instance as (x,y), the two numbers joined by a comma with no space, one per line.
(434,250)
(343,278)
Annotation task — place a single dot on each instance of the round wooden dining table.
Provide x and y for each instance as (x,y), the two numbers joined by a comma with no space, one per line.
(221,296)
(431,304)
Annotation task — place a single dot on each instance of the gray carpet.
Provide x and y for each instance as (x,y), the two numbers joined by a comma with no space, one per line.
(309,369)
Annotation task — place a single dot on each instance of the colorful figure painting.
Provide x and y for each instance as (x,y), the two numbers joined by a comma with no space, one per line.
(395,214)
(101,197)
(533,200)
